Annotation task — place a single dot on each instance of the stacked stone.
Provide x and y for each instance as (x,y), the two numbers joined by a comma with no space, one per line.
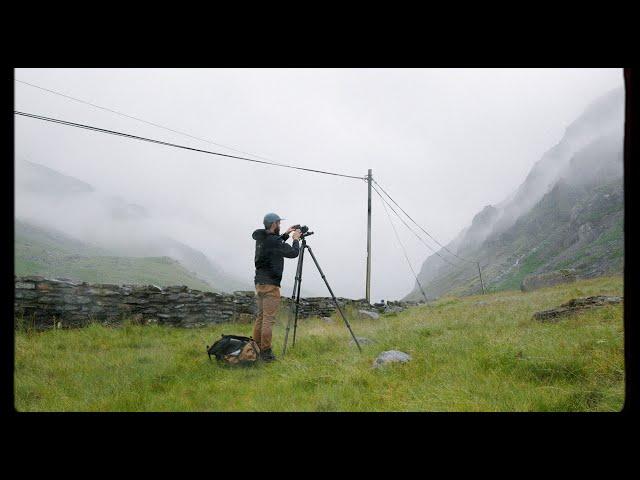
(245,302)
(324,306)
(45,303)
(182,307)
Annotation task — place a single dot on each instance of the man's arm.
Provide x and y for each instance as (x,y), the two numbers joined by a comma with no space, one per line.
(290,251)
(285,235)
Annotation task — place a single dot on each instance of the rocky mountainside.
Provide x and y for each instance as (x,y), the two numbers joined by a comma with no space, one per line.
(567,214)
(65,227)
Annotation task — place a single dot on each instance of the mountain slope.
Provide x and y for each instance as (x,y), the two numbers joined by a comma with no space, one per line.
(568,213)
(117,228)
(192,259)
(46,252)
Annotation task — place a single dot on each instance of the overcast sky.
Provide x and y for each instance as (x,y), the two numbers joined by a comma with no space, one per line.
(443,142)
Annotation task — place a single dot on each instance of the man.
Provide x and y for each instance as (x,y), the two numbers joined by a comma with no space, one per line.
(271,249)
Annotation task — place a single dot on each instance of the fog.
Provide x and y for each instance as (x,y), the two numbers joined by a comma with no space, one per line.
(443,142)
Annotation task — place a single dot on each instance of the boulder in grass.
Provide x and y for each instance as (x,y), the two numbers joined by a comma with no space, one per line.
(368,315)
(391,356)
(328,320)
(575,305)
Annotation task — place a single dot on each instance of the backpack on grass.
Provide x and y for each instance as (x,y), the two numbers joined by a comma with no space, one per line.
(234,350)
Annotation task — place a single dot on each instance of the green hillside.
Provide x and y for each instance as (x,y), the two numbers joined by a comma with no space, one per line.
(475,353)
(576,228)
(567,214)
(39,251)
(41,187)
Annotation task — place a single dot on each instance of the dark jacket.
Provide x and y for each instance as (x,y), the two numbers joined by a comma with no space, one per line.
(269,258)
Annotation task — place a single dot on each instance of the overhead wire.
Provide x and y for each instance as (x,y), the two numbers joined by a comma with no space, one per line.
(142,120)
(411,230)
(169,144)
(257,159)
(421,228)
(406,256)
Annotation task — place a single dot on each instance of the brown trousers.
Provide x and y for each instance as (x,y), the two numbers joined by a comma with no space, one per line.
(268,299)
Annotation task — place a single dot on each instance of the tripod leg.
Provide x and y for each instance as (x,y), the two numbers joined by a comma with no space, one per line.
(295,318)
(334,298)
(293,299)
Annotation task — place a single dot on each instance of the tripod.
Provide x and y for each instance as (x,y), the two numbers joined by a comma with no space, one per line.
(295,298)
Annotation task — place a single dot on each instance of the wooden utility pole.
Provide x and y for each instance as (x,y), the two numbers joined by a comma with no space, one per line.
(480,273)
(368,289)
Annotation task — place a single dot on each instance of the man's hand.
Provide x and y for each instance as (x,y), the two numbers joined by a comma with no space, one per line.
(289,230)
(296,234)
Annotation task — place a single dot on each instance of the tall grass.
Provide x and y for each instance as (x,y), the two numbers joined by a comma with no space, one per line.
(479,353)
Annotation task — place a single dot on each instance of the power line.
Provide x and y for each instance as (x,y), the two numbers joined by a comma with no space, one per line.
(419,226)
(168,144)
(411,230)
(420,238)
(404,251)
(142,120)
(263,159)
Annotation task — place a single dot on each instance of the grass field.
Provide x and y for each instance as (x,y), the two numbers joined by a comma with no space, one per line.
(479,353)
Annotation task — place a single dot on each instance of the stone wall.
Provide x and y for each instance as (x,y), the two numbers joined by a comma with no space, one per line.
(324,306)
(42,303)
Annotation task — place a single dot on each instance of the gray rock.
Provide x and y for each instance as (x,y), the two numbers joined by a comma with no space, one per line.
(48,299)
(26,294)
(575,305)
(102,292)
(328,320)
(25,285)
(368,315)
(391,356)
(32,278)
(586,232)
(136,301)
(245,293)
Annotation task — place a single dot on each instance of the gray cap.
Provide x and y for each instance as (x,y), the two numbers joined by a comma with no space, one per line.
(269,218)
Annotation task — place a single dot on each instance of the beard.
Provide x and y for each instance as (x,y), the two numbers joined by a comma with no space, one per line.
(277,231)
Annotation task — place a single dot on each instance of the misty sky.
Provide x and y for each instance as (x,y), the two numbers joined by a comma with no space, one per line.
(443,142)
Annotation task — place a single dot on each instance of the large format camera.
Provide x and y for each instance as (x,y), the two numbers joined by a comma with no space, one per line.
(303,228)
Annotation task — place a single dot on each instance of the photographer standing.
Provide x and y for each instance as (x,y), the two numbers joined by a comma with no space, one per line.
(271,248)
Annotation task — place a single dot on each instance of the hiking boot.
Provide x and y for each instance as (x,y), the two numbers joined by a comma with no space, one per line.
(267,355)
